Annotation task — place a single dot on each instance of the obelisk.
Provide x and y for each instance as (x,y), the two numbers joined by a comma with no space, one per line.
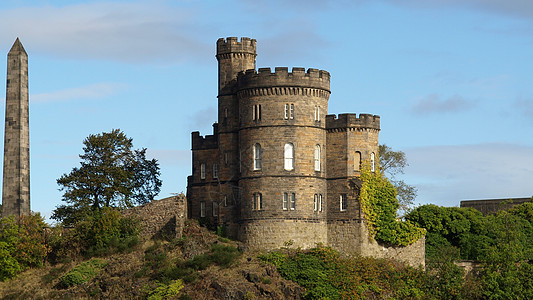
(16,181)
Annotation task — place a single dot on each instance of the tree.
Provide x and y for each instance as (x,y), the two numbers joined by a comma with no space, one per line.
(392,163)
(111,174)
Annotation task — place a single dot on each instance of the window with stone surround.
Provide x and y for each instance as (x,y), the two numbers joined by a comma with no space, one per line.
(256,112)
(320,202)
(289,111)
(258,201)
(372,162)
(202,171)
(357,161)
(202,209)
(293,201)
(342,203)
(225,201)
(317,113)
(215,209)
(258,153)
(317,158)
(317,203)
(289,157)
(285,201)
(215,170)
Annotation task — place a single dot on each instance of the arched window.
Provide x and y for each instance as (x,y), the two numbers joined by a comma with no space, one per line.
(317,158)
(357,161)
(258,153)
(289,156)
(372,162)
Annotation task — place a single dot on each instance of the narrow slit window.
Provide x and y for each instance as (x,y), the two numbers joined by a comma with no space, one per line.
(357,161)
(285,201)
(291,115)
(317,158)
(315,203)
(372,162)
(320,202)
(342,202)
(293,201)
(202,209)
(215,171)
(286,111)
(202,171)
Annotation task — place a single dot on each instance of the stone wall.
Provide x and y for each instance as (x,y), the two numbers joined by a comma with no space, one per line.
(491,206)
(163,218)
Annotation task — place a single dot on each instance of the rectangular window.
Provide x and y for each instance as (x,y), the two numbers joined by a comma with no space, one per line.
(202,209)
(258,201)
(215,209)
(293,201)
(342,202)
(320,202)
(215,171)
(226,158)
(257,157)
(285,201)
(291,116)
(315,203)
(202,171)
(286,111)
(256,112)
(289,156)
(317,113)
(225,201)
(317,158)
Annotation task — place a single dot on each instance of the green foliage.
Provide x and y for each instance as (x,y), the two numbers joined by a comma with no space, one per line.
(221,255)
(22,244)
(379,204)
(392,163)
(103,232)
(82,273)
(166,291)
(111,174)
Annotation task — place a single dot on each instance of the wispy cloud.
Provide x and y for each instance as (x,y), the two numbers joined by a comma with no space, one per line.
(93,91)
(525,108)
(131,32)
(446,175)
(433,104)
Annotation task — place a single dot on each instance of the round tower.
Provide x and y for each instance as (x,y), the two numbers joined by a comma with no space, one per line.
(282,146)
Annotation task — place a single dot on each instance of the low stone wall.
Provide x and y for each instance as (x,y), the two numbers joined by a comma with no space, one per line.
(273,234)
(161,218)
(352,238)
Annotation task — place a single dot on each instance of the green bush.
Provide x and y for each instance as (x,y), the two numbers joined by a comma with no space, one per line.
(82,273)
(166,291)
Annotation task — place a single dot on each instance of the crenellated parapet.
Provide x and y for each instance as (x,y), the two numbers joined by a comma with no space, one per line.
(352,122)
(261,82)
(208,142)
(232,45)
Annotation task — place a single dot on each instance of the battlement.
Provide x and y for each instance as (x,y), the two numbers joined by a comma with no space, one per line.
(352,121)
(281,77)
(208,142)
(233,45)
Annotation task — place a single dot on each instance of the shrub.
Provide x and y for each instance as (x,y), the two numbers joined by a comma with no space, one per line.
(82,273)
(165,291)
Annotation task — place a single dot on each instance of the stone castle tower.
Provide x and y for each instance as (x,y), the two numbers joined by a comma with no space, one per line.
(16,180)
(277,167)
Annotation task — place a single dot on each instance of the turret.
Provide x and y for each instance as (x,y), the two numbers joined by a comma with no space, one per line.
(234,56)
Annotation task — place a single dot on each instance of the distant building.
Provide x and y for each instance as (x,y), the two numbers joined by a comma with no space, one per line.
(491,206)
(278,169)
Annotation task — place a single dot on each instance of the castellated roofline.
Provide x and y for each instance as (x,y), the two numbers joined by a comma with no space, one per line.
(208,142)
(367,121)
(281,77)
(233,45)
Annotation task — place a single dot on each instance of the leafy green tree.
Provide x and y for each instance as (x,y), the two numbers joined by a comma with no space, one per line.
(112,174)
(392,163)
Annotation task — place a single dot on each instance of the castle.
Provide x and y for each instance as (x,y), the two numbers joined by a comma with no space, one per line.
(278,169)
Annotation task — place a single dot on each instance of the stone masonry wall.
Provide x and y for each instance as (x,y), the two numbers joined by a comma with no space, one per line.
(163,217)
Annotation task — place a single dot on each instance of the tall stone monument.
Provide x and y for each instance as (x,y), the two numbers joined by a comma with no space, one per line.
(16,181)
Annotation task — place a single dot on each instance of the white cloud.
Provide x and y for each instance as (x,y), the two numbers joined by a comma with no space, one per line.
(130,32)
(93,91)
(445,175)
(434,104)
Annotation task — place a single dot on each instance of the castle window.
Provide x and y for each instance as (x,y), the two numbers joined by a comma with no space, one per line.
(257,157)
(315,203)
(215,170)
(225,201)
(291,115)
(289,111)
(317,113)
(317,158)
(357,161)
(342,202)
(256,112)
(289,156)
(215,209)
(202,209)
(372,162)
(320,202)
(258,201)
(202,171)
(285,201)
(226,158)
(293,201)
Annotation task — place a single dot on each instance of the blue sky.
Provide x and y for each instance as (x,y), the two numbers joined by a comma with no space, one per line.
(451,80)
